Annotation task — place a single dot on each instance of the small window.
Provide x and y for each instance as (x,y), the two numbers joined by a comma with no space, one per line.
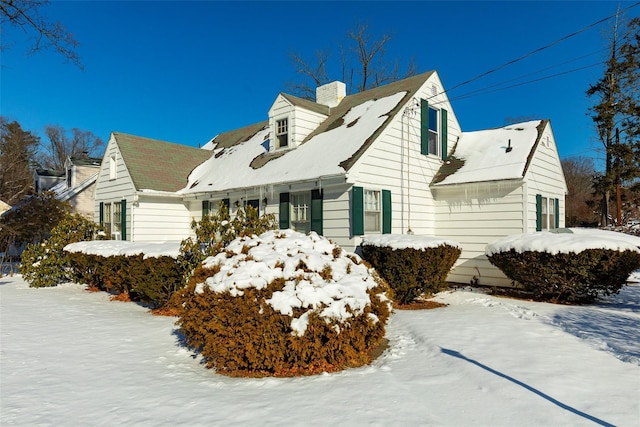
(433,131)
(545,213)
(112,167)
(372,212)
(552,214)
(282,132)
(117,217)
(107,218)
(301,212)
(69,177)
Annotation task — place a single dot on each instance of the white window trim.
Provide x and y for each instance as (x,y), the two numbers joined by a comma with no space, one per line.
(113,167)
(295,207)
(437,133)
(277,134)
(378,211)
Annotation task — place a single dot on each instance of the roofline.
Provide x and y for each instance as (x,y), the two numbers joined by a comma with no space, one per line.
(462,184)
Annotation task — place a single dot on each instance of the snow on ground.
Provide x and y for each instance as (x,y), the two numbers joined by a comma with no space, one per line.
(70,357)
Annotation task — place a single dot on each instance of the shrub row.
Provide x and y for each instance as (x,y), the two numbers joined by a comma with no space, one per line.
(152,280)
(411,272)
(568,277)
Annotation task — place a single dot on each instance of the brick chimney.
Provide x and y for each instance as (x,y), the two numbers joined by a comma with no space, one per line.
(331,94)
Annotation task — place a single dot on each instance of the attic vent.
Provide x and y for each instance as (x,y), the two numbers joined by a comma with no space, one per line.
(519,128)
(434,90)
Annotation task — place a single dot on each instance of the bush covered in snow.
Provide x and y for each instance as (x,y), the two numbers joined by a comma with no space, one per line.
(46,264)
(572,267)
(411,265)
(216,230)
(146,272)
(282,304)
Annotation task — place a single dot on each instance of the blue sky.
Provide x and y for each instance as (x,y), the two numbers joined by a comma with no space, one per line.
(186,71)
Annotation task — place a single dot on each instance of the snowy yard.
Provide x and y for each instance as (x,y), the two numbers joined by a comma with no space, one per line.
(70,357)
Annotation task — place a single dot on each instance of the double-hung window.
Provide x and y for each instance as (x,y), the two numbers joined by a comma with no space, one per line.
(301,212)
(547,211)
(107,218)
(372,211)
(433,131)
(282,132)
(117,217)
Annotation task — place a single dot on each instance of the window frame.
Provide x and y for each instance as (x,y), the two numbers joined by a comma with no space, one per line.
(374,213)
(282,132)
(106,220)
(117,218)
(300,211)
(434,132)
(113,168)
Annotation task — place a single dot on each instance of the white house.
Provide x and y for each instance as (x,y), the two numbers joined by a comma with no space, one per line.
(135,193)
(388,160)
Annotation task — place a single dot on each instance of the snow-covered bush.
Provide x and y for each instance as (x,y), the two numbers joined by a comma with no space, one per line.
(572,267)
(146,272)
(411,265)
(282,304)
(46,264)
(215,230)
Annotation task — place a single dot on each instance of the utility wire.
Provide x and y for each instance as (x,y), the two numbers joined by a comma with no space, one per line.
(533,52)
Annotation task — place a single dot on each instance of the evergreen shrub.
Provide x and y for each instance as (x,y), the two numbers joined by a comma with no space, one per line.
(217,229)
(152,280)
(283,304)
(47,264)
(412,272)
(568,277)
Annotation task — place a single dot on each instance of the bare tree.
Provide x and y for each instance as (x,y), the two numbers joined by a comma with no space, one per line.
(27,16)
(17,155)
(579,172)
(61,145)
(362,65)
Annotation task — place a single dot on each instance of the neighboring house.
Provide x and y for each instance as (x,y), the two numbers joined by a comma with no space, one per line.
(388,160)
(135,194)
(75,185)
(81,174)
(45,179)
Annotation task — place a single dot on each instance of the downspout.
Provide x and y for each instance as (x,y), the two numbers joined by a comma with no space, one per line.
(133,210)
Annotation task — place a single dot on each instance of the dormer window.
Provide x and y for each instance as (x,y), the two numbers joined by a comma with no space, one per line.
(282,132)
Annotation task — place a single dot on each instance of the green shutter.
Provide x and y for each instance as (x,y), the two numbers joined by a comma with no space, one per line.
(205,208)
(123,220)
(557,207)
(386,212)
(424,127)
(316,211)
(357,211)
(443,133)
(284,211)
(538,212)
(101,213)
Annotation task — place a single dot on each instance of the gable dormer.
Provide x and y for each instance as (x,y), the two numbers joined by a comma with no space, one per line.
(292,119)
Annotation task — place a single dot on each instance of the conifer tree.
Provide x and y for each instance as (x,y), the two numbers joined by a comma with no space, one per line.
(616,115)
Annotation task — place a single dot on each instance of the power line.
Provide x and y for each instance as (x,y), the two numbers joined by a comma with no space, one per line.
(533,52)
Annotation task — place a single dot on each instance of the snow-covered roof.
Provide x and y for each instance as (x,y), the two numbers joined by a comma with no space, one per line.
(242,158)
(485,155)
(62,192)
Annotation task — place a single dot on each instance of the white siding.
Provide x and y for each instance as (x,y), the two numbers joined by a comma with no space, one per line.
(475,215)
(114,190)
(83,203)
(545,177)
(393,162)
(160,219)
